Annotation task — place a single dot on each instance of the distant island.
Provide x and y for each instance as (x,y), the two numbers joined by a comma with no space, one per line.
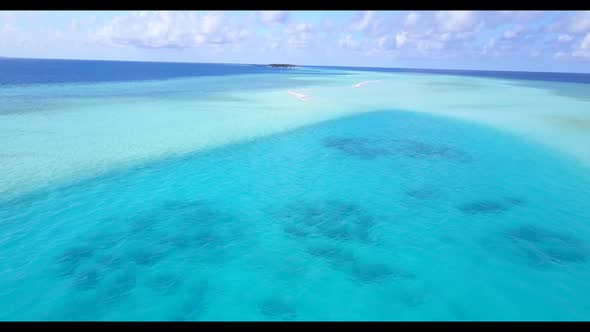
(281,65)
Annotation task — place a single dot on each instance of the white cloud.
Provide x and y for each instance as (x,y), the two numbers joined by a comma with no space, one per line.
(579,23)
(401,38)
(514,32)
(457,34)
(83,23)
(166,29)
(583,50)
(386,42)
(586,42)
(428,45)
(368,23)
(564,38)
(576,23)
(455,21)
(8,28)
(295,36)
(270,17)
(272,43)
(210,23)
(6,17)
(364,21)
(74,24)
(426,34)
(390,42)
(329,26)
(489,46)
(299,36)
(6,23)
(303,27)
(348,42)
(519,15)
(411,19)
(57,34)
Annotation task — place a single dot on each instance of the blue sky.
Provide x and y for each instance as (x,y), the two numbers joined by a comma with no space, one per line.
(488,40)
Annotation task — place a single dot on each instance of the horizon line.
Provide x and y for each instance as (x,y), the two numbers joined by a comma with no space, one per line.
(297,65)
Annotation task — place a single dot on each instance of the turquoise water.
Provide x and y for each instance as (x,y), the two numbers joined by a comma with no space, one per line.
(386,215)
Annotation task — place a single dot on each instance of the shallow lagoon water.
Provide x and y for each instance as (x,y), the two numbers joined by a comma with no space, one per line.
(358,212)
(295,226)
(59,133)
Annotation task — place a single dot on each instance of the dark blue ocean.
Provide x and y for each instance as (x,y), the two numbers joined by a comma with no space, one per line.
(39,71)
(514,75)
(49,71)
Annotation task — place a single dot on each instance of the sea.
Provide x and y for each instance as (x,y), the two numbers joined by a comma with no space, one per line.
(138,191)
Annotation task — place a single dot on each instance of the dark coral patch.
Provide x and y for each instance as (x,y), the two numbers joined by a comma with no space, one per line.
(110,261)
(422,193)
(370,148)
(482,207)
(176,241)
(331,219)
(195,303)
(412,298)
(359,147)
(72,258)
(82,308)
(181,205)
(76,255)
(190,310)
(371,272)
(514,200)
(165,283)
(420,150)
(87,279)
(107,240)
(490,206)
(147,257)
(296,230)
(209,239)
(543,247)
(337,232)
(121,286)
(277,308)
(143,224)
(333,254)
(194,213)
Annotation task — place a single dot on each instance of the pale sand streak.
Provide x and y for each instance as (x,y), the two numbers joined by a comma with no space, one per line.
(299,96)
(358,85)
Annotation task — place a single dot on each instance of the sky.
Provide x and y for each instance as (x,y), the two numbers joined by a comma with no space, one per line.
(556,41)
